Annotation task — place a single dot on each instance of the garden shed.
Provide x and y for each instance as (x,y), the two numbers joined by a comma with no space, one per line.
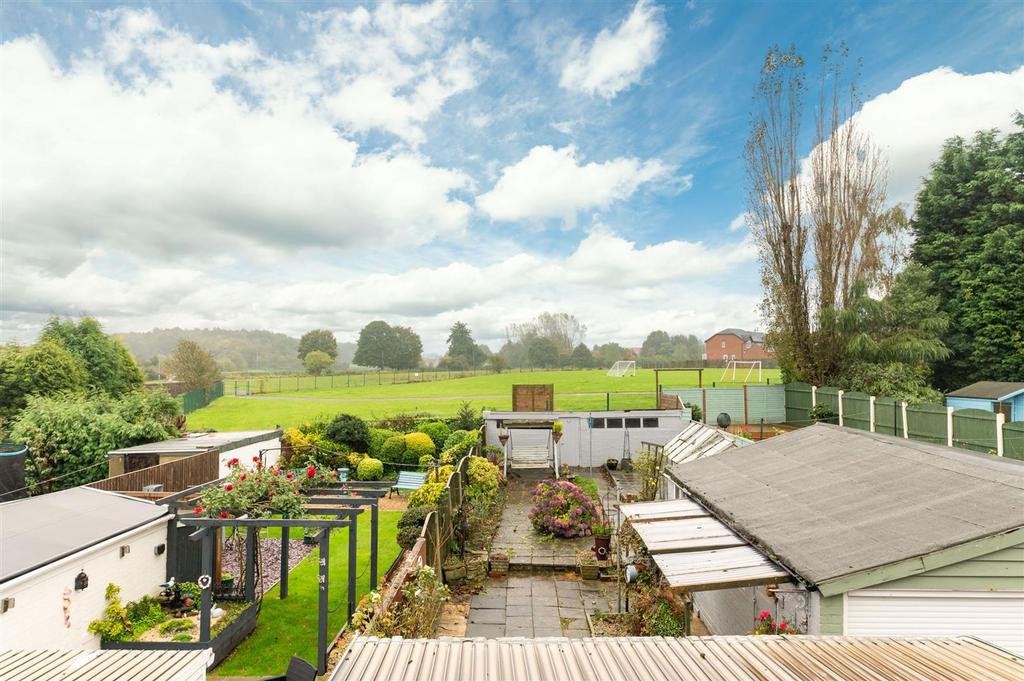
(242,445)
(883,535)
(59,551)
(1001,397)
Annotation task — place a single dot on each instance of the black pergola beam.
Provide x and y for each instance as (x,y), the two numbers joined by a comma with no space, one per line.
(349,514)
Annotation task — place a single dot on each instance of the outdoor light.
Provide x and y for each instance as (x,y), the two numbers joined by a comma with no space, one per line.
(81,581)
(159,549)
(6,604)
(503,436)
(125,550)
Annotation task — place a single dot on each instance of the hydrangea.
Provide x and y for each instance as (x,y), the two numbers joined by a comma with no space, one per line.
(561,508)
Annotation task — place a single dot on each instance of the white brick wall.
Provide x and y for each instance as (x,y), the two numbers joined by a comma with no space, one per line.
(37,619)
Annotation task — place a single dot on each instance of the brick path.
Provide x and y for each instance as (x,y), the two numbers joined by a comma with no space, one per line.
(538,605)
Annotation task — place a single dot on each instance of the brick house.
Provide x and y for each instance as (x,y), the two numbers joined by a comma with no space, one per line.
(736,344)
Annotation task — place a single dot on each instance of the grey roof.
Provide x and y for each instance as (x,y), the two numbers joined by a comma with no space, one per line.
(105,665)
(694,658)
(197,443)
(989,390)
(829,501)
(754,336)
(40,530)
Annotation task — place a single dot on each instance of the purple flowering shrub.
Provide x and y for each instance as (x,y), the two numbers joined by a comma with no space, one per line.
(561,508)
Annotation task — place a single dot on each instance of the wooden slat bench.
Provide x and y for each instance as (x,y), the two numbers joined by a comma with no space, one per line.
(409,481)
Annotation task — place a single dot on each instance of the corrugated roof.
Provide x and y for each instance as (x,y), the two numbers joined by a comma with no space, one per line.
(698,440)
(198,443)
(709,658)
(696,552)
(828,501)
(39,530)
(988,390)
(104,665)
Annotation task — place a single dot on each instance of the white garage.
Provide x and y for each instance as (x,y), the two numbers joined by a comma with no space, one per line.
(996,617)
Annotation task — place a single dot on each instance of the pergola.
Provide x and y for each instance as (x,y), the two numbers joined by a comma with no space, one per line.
(344,501)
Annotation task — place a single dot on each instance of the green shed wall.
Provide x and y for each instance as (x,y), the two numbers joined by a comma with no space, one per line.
(998,571)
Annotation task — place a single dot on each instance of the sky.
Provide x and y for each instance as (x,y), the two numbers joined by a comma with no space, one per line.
(318,165)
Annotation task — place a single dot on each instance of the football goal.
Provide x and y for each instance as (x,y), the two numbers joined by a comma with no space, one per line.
(622,368)
(734,364)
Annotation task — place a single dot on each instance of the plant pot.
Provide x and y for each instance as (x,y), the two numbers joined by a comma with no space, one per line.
(499,564)
(601,547)
(612,464)
(556,436)
(227,584)
(589,570)
(309,540)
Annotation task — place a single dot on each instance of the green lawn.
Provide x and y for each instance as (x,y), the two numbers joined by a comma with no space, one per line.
(288,627)
(443,397)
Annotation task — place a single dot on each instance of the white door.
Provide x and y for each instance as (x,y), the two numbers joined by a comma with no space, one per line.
(996,617)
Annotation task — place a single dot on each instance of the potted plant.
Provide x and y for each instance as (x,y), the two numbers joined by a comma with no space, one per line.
(602,531)
(587,565)
(227,581)
(611,464)
(556,430)
(309,536)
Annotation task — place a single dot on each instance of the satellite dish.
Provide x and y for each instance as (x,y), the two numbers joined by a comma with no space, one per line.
(723,420)
(631,574)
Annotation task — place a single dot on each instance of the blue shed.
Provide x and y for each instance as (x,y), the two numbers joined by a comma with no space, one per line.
(997,396)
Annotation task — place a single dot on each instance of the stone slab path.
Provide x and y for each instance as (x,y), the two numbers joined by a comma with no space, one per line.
(537,605)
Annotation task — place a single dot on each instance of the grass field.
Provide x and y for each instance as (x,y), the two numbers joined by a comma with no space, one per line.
(288,627)
(574,390)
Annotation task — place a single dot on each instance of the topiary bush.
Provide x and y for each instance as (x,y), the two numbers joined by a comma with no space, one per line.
(370,469)
(454,439)
(417,445)
(438,431)
(562,509)
(393,450)
(427,495)
(483,479)
(426,462)
(349,430)
(407,536)
(414,517)
(378,436)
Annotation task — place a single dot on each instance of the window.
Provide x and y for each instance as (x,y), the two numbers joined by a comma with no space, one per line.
(1002,408)
(597,423)
(723,345)
(632,423)
(746,346)
(651,422)
(613,423)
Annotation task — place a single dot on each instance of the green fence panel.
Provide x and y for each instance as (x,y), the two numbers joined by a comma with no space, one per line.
(857,410)
(927,422)
(888,416)
(766,402)
(798,402)
(1013,440)
(975,429)
(829,396)
(724,401)
(199,398)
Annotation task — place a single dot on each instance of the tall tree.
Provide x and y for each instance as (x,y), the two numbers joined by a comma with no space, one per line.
(110,366)
(461,345)
(609,353)
(657,343)
(542,352)
(318,339)
(317,362)
(561,328)
(581,357)
(969,233)
(819,228)
(388,347)
(408,349)
(45,368)
(192,365)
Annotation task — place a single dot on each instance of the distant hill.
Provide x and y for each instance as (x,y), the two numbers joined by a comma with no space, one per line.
(245,350)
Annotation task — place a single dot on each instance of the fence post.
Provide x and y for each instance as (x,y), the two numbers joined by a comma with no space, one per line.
(1000,420)
(949,426)
(704,403)
(814,396)
(746,416)
(871,413)
(839,401)
(906,426)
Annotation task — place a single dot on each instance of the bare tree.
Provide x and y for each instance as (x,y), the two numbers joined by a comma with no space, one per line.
(562,328)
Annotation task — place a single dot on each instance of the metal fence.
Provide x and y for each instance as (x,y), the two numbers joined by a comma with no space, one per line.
(200,397)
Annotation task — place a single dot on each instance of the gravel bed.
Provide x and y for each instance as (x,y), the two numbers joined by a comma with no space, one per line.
(269,555)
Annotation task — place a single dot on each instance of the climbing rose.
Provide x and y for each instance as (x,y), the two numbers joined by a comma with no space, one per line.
(228,487)
(783,626)
(290,475)
(242,476)
(233,462)
(764,615)
(256,458)
(310,472)
(197,510)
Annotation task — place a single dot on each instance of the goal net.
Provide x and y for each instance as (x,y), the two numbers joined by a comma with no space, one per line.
(623,367)
(734,365)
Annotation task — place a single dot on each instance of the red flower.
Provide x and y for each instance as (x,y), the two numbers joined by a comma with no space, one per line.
(242,476)
(233,462)
(223,514)
(256,458)
(334,474)
(276,472)
(310,472)
(228,487)
(783,626)
(764,615)
(197,510)
(290,475)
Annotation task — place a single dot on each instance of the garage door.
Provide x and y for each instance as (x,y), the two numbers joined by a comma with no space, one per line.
(995,617)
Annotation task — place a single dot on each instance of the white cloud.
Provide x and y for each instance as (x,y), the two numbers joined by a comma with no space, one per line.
(552,183)
(739,222)
(616,59)
(144,145)
(910,123)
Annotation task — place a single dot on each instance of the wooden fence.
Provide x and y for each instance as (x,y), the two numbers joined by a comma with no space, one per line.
(439,525)
(175,476)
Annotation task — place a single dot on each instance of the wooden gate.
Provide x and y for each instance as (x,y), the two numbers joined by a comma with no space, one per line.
(533,397)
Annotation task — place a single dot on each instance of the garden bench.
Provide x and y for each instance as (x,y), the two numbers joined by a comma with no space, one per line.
(408,480)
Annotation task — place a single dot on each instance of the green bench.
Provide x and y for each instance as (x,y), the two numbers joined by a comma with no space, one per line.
(409,481)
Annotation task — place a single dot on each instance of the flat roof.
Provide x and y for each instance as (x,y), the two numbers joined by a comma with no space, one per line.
(197,443)
(694,658)
(989,390)
(827,501)
(105,665)
(37,531)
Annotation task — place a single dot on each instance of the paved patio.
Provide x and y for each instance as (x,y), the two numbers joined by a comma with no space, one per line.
(528,550)
(538,605)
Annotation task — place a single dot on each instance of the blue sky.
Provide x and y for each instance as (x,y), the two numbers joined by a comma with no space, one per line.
(288,166)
